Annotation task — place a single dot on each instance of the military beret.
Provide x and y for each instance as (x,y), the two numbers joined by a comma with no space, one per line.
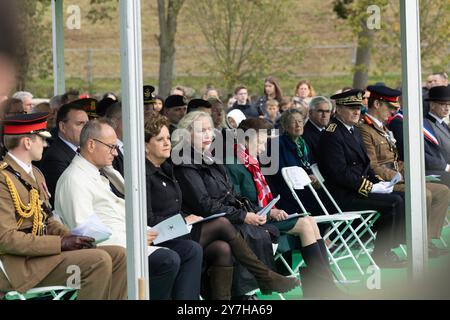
(103,105)
(34,123)
(383,93)
(89,105)
(149,96)
(351,98)
(175,101)
(439,93)
(198,103)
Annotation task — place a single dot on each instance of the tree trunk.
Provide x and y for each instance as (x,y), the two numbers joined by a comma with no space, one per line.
(363,54)
(168,28)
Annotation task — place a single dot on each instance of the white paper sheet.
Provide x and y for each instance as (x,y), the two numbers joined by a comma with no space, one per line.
(170,228)
(217,215)
(94,228)
(266,209)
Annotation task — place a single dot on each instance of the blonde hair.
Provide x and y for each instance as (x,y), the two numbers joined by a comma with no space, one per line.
(187,124)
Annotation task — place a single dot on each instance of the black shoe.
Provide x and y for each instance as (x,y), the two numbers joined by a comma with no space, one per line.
(389,259)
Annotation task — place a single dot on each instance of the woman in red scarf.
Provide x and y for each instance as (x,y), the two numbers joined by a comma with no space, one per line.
(248,180)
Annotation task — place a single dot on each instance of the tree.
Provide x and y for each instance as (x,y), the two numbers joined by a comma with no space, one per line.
(167,12)
(247,39)
(357,15)
(34,57)
(434,34)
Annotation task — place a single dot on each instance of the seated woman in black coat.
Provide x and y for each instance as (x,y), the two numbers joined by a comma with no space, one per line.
(219,239)
(245,173)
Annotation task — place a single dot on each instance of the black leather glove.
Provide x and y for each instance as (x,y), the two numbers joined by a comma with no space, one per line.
(73,242)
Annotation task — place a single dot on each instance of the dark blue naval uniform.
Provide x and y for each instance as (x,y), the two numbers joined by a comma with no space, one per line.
(343,162)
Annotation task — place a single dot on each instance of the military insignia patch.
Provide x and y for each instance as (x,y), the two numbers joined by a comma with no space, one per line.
(331,127)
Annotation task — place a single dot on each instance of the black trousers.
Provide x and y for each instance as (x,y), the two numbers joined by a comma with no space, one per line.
(390,226)
(175,272)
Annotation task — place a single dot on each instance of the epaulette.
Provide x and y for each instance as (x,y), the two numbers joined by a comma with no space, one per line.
(367,120)
(331,127)
(3,165)
(365,188)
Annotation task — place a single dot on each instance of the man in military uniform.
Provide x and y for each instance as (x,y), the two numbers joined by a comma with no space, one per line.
(382,151)
(36,250)
(175,108)
(344,163)
(149,101)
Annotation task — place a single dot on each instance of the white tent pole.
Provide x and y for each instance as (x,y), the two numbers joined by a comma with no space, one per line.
(416,215)
(58,47)
(133,115)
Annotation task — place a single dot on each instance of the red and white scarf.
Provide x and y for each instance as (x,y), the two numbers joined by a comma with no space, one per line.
(252,165)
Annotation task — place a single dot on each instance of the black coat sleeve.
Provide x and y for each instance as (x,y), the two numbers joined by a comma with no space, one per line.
(52,168)
(197,199)
(333,165)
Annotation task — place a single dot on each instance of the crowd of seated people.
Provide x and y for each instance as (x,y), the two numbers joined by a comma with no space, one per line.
(203,158)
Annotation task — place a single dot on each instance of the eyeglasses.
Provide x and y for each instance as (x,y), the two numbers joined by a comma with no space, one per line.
(323,111)
(443,104)
(111,147)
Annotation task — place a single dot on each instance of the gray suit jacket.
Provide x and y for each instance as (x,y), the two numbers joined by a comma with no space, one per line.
(442,135)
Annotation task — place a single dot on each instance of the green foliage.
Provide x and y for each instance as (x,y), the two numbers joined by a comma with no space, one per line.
(246,38)
(35,60)
(101,10)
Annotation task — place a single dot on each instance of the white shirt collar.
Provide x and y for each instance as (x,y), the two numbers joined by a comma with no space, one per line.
(378,122)
(28,168)
(436,117)
(70,144)
(346,125)
(87,165)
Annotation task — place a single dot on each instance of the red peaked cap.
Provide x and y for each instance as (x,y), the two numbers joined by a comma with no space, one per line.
(35,123)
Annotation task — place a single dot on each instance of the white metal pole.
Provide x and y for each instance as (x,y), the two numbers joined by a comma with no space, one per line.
(133,115)
(416,215)
(58,47)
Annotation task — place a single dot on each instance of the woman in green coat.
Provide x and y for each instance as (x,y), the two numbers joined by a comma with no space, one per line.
(245,173)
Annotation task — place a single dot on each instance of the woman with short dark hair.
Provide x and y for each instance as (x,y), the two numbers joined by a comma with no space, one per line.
(219,239)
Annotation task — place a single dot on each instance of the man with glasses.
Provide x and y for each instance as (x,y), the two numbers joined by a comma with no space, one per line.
(70,119)
(437,137)
(84,187)
(320,109)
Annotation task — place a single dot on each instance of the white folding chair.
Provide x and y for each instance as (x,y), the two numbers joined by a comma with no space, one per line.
(368,218)
(297,179)
(50,293)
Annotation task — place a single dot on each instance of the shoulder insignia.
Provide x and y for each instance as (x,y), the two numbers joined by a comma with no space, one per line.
(3,165)
(331,127)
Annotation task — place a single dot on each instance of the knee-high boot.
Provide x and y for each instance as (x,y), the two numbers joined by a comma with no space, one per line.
(267,279)
(317,279)
(219,282)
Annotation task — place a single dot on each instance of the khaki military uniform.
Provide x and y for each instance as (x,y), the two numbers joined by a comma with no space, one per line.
(33,258)
(383,155)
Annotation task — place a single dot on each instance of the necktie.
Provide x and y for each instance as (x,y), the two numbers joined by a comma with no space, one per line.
(352,130)
(114,189)
(445,126)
